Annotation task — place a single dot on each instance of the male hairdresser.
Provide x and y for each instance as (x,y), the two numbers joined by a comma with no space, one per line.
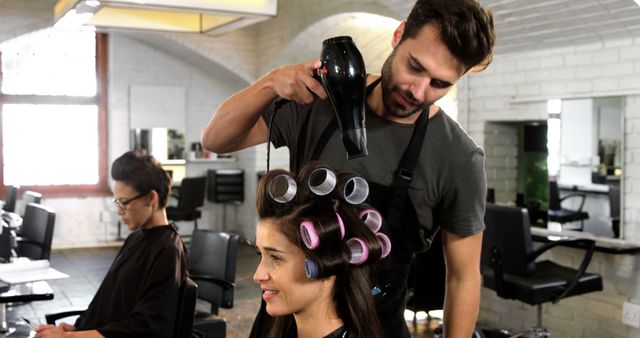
(440,41)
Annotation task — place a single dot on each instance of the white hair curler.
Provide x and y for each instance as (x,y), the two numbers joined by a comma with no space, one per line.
(282,188)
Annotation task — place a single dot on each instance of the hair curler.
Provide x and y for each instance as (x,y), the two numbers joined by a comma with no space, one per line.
(309,235)
(311,268)
(282,188)
(359,251)
(322,181)
(372,218)
(386,244)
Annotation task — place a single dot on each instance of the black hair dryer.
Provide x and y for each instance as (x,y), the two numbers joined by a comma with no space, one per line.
(344,79)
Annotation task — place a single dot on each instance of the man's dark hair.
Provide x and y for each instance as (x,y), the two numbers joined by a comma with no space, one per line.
(465,28)
(143,173)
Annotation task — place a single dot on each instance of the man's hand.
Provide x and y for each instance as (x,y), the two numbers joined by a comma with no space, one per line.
(297,82)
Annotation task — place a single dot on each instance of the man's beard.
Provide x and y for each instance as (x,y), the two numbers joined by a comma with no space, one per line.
(388,88)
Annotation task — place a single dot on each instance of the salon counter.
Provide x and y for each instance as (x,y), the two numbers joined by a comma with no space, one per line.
(606,245)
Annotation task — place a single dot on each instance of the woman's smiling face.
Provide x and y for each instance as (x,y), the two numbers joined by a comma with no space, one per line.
(285,287)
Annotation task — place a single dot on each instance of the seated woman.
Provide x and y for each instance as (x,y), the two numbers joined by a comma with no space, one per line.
(317,242)
(138,296)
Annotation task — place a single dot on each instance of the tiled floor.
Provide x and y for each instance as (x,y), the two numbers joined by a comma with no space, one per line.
(87,267)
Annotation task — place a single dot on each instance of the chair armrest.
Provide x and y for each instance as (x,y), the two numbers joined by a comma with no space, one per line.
(590,246)
(53,317)
(221,283)
(496,265)
(583,196)
(21,240)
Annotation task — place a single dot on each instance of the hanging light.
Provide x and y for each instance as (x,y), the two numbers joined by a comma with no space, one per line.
(187,16)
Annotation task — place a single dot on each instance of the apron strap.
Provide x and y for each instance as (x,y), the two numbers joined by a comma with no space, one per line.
(406,167)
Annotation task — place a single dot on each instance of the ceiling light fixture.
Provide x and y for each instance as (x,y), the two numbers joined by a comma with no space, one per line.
(187,16)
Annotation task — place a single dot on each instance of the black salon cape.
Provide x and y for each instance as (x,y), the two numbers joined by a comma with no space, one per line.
(138,296)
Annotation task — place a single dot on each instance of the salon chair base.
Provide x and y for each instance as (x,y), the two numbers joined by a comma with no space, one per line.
(214,327)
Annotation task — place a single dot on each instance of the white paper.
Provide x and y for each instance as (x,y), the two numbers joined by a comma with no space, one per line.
(23,271)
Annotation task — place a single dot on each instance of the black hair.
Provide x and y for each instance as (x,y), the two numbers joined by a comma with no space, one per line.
(352,289)
(466,28)
(143,173)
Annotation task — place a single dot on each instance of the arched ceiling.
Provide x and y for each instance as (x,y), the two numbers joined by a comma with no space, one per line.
(522,25)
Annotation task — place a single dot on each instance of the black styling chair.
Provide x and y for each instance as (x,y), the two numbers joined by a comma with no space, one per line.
(185,311)
(10,199)
(614,209)
(510,268)
(212,260)
(37,232)
(190,197)
(28,197)
(561,215)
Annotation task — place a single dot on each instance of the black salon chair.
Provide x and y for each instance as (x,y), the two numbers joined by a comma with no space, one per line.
(614,208)
(37,232)
(190,198)
(510,268)
(561,215)
(28,197)
(10,198)
(184,313)
(212,258)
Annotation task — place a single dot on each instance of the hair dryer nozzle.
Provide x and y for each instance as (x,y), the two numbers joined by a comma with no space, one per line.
(355,142)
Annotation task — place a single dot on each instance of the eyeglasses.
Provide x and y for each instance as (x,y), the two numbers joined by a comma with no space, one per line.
(121,204)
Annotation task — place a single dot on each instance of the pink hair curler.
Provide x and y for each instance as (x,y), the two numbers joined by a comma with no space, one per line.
(359,251)
(341,223)
(309,235)
(372,218)
(385,242)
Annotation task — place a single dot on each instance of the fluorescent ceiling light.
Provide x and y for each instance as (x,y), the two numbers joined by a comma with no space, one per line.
(187,16)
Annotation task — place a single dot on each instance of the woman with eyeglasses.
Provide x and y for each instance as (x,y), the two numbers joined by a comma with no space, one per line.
(317,241)
(138,296)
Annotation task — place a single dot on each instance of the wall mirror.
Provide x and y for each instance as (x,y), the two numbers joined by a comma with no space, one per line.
(585,140)
(164,144)
(566,170)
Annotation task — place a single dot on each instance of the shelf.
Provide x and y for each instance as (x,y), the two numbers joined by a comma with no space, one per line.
(212,160)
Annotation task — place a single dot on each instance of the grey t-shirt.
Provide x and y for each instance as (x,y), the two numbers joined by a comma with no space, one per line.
(449,185)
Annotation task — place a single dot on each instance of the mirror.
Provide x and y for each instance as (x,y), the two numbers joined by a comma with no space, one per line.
(164,144)
(565,170)
(585,168)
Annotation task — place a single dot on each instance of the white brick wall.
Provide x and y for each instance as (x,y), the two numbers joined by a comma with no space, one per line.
(599,69)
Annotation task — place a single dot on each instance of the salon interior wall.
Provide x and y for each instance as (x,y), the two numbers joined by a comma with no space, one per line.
(91,221)
(515,87)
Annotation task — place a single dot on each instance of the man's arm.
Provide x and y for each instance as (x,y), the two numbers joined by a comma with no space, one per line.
(237,123)
(462,295)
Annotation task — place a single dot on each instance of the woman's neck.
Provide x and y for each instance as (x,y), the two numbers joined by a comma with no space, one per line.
(316,327)
(318,322)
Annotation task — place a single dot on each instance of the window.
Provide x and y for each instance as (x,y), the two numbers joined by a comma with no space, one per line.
(53,112)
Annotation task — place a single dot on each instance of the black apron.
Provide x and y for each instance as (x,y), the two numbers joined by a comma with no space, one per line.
(401,225)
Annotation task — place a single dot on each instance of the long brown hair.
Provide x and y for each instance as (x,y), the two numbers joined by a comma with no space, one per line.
(352,290)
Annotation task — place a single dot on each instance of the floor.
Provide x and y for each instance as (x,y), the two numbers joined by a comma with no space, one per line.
(87,267)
